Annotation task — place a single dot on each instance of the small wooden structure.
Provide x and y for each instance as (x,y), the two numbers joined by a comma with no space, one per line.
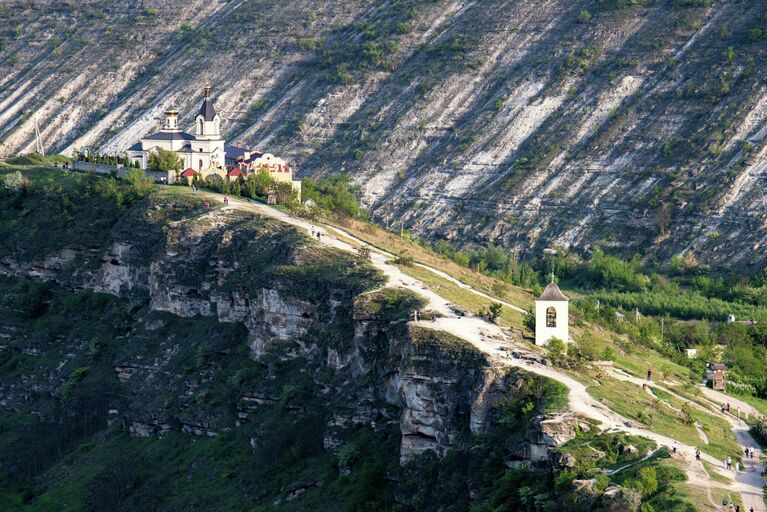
(719,376)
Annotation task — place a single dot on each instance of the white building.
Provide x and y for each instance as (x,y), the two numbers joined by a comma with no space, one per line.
(203,151)
(551,316)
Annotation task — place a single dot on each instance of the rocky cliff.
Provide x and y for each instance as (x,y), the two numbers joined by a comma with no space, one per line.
(637,125)
(221,316)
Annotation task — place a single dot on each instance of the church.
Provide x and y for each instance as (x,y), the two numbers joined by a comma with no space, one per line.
(204,151)
(206,154)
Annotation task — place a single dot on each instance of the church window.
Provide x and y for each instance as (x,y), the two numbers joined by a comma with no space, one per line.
(551,317)
(199,127)
(200,163)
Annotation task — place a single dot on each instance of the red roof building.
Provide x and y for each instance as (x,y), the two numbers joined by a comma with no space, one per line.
(189,173)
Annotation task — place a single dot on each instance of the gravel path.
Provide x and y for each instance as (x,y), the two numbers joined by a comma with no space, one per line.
(491,340)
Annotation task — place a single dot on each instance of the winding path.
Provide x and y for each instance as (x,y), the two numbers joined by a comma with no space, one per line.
(490,339)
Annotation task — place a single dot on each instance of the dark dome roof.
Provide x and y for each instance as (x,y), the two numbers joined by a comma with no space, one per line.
(552,293)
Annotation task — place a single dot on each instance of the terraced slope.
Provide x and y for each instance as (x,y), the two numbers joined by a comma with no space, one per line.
(634,124)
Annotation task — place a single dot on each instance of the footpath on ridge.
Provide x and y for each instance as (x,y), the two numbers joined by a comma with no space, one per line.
(491,340)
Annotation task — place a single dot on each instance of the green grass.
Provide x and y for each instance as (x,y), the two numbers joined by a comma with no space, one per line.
(457,295)
(630,401)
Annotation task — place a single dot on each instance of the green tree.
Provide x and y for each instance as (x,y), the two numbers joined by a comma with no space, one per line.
(556,350)
(140,184)
(262,181)
(164,160)
(494,311)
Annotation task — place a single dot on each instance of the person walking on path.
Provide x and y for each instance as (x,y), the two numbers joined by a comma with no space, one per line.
(724,504)
(673,448)
(729,462)
(697,453)
(226,201)
(649,375)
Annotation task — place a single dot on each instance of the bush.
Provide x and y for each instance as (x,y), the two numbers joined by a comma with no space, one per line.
(140,184)
(14,181)
(335,195)
(556,350)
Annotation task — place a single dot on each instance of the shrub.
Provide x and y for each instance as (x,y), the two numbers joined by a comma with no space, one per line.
(164,160)
(14,181)
(556,350)
(140,184)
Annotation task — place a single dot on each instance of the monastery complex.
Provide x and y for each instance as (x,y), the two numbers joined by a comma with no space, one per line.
(205,153)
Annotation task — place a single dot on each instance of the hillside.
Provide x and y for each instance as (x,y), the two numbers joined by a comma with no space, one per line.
(251,367)
(634,125)
(159,354)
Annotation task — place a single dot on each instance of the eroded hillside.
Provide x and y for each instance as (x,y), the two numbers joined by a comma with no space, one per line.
(633,124)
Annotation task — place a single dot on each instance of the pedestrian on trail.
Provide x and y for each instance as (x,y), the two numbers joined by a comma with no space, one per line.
(312,231)
(724,504)
(751,509)
(729,462)
(318,235)
(649,375)
(226,201)
(732,506)
(737,508)
(673,448)
(697,453)
(751,454)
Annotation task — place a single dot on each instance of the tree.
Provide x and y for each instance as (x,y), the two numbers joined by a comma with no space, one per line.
(262,181)
(139,182)
(126,161)
(556,350)
(164,160)
(494,311)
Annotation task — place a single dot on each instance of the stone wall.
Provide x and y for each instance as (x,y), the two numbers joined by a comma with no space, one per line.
(165,177)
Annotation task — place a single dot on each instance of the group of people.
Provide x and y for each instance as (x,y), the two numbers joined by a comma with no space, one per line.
(316,233)
(733,507)
(727,464)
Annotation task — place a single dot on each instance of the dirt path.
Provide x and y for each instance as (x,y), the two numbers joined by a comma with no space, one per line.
(491,340)
(440,273)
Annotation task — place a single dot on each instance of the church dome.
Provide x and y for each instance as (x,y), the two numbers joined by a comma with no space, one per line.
(552,293)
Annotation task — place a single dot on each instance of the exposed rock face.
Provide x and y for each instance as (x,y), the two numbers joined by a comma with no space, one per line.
(555,431)
(229,268)
(519,123)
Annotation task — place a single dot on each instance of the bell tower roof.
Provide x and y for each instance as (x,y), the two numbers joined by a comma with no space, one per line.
(207,110)
(552,293)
